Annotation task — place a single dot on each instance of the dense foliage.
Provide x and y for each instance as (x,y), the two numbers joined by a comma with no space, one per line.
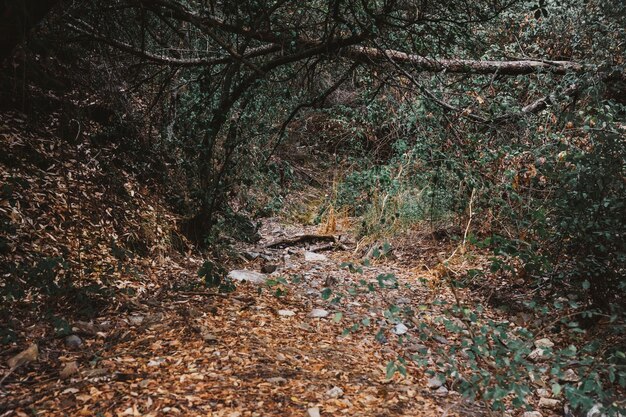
(519,149)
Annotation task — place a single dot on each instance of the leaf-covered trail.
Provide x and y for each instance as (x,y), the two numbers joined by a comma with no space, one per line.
(254,352)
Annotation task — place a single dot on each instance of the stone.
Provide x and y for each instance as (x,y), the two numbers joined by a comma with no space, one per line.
(251,256)
(570,376)
(417,348)
(249,276)
(400,329)
(318,313)
(543,393)
(206,335)
(532,414)
(68,370)
(334,392)
(269,268)
(441,339)
(286,313)
(73,342)
(543,343)
(596,411)
(277,380)
(314,257)
(537,354)
(136,320)
(313,412)
(435,382)
(549,403)
(441,391)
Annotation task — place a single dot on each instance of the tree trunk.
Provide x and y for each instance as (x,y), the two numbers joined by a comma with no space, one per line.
(419,63)
(17,17)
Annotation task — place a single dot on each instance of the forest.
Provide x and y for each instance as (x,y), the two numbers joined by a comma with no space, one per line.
(313,208)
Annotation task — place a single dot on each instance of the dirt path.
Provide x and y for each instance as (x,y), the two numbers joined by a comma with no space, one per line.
(255,352)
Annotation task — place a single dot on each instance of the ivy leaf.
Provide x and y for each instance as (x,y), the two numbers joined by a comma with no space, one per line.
(391,370)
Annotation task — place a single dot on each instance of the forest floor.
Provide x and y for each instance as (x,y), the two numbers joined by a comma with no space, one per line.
(253,352)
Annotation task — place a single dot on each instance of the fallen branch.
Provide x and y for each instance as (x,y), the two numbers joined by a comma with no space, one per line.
(301,239)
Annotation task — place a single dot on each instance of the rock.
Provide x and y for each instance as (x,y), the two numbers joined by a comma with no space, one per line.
(400,329)
(441,339)
(403,300)
(537,354)
(318,313)
(85,328)
(441,391)
(595,411)
(251,256)
(435,382)
(570,376)
(96,372)
(73,342)
(26,356)
(245,275)
(206,335)
(549,403)
(68,370)
(136,320)
(269,268)
(543,393)
(334,392)
(313,412)
(277,380)
(314,257)
(532,414)
(543,343)
(286,313)
(417,348)
(156,362)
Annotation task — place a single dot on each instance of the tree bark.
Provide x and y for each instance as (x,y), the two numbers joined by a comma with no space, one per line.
(465,66)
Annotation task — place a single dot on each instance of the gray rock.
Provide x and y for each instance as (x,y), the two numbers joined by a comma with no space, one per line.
(318,313)
(532,414)
(543,343)
(313,412)
(549,403)
(441,339)
(245,275)
(543,393)
(286,313)
(537,354)
(596,411)
(251,256)
(441,391)
(334,392)
(435,382)
(136,320)
(73,342)
(570,376)
(314,257)
(400,329)
(417,348)
(277,380)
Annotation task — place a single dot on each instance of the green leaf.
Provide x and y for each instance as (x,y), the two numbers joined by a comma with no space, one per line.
(338,316)
(556,389)
(391,370)
(326,292)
